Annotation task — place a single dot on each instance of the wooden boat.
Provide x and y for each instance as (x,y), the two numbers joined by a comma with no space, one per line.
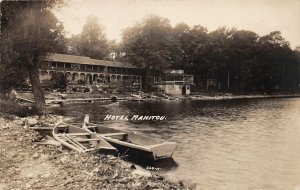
(134,144)
(80,140)
(137,96)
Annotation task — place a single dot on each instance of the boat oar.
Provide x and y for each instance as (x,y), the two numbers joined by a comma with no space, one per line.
(75,143)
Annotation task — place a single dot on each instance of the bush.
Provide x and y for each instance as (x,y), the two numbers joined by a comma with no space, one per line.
(12,107)
(59,81)
(82,82)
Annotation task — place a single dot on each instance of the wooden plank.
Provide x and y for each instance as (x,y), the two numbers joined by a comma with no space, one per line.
(90,149)
(114,134)
(41,128)
(78,134)
(85,140)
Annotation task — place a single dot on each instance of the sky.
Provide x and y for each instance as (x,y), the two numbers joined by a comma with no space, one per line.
(260,16)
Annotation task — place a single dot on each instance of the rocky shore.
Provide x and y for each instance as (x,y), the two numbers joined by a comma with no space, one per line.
(28,163)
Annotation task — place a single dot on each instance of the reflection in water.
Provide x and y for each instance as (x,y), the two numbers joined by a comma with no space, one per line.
(233,144)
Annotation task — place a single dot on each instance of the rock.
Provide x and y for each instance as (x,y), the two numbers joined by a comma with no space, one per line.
(18,122)
(136,184)
(32,121)
(29,175)
(158,177)
(51,120)
(46,175)
(96,170)
(67,181)
(124,180)
(180,183)
(141,173)
(151,184)
(4,126)
(27,186)
(35,155)
(64,159)
(111,157)
(42,117)
(116,174)
(111,162)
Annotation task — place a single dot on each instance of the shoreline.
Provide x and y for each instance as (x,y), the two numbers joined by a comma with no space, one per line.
(31,162)
(233,97)
(64,98)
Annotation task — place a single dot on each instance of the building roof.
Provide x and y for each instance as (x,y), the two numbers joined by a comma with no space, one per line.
(85,60)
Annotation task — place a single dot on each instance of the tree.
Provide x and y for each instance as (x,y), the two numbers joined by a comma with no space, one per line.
(181,53)
(148,44)
(278,64)
(31,30)
(91,42)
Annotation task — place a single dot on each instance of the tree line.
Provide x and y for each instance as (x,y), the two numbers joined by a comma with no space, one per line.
(238,60)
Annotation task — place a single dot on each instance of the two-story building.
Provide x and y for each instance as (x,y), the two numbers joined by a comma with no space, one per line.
(92,71)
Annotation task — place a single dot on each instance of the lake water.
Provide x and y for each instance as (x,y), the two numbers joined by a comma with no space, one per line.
(232,144)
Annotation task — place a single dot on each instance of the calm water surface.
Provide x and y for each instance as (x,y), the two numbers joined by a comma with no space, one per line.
(233,144)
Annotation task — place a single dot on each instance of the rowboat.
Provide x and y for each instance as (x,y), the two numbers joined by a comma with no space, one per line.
(133,144)
(80,140)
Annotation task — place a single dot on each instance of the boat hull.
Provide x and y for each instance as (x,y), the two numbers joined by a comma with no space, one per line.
(135,145)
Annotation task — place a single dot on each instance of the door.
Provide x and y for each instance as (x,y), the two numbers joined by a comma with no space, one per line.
(183,90)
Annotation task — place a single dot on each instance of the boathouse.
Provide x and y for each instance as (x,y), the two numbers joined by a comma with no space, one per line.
(92,71)
(174,82)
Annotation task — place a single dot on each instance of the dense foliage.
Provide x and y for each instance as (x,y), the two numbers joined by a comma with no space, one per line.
(91,42)
(57,81)
(238,60)
(29,30)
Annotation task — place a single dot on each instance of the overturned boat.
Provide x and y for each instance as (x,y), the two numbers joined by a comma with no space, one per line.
(80,140)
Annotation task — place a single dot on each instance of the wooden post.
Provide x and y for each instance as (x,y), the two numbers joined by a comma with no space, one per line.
(228,80)
(86,119)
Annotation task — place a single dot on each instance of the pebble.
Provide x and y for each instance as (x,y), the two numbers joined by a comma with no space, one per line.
(18,122)
(28,186)
(4,126)
(42,117)
(141,173)
(35,155)
(158,177)
(46,175)
(64,159)
(32,121)
(137,184)
(29,175)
